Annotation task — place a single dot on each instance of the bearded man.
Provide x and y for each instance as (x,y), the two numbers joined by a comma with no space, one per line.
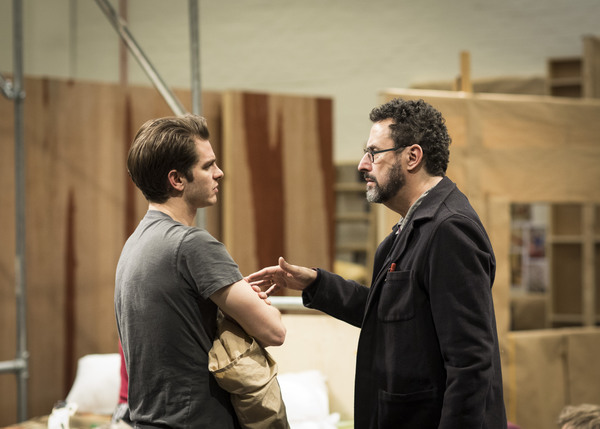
(428,354)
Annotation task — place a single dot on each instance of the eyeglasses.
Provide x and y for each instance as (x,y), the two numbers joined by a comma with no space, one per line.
(372,152)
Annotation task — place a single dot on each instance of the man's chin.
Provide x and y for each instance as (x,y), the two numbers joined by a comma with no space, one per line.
(373,196)
(208,203)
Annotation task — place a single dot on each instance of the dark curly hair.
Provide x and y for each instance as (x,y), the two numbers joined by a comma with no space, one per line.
(420,123)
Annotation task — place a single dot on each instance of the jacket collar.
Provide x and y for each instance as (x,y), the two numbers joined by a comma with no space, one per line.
(425,211)
(431,203)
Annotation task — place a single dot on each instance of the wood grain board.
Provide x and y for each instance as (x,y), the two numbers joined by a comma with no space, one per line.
(81,206)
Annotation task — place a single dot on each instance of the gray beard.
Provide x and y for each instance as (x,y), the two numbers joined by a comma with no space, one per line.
(382,194)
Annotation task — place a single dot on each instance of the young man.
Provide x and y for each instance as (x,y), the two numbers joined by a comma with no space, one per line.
(172,277)
(428,353)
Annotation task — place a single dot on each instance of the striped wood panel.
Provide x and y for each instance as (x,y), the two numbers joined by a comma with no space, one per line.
(279,178)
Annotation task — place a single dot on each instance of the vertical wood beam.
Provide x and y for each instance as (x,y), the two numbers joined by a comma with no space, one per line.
(591,67)
(588,294)
(465,72)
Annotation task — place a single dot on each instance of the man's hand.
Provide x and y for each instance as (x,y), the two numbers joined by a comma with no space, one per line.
(284,275)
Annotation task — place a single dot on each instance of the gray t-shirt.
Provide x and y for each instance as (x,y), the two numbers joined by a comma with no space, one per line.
(166,273)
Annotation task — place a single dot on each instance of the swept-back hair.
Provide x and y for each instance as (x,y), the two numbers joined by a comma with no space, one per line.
(162,145)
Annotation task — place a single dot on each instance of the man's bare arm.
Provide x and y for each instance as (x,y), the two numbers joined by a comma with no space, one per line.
(259,320)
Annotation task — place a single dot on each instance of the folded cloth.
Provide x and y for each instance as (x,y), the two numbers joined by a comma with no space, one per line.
(247,371)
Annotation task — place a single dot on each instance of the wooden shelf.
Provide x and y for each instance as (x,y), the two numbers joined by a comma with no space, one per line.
(565,77)
(354,228)
(566,318)
(574,252)
(565,239)
(566,81)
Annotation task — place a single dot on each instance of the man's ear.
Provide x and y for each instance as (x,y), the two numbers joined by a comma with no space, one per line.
(415,159)
(176,180)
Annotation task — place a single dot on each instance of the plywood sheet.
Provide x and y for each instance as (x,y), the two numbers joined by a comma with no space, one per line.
(535,378)
(72,229)
(80,208)
(278,183)
(583,349)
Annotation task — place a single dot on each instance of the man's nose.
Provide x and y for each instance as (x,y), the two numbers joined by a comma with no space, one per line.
(365,163)
(219,174)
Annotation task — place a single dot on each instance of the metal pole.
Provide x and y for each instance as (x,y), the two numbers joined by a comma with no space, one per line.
(195,77)
(141,58)
(22,354)
(195,57)
(14,91)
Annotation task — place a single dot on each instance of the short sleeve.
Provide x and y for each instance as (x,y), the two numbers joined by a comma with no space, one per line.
(204,262)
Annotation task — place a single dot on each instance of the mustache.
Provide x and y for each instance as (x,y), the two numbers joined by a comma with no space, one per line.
(366,176)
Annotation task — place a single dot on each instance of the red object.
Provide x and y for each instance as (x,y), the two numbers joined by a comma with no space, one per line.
(124,378)
(393,267)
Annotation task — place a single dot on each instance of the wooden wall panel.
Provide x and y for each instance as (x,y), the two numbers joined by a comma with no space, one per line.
(72,231)
(535,380)
(81,207)
(278,181)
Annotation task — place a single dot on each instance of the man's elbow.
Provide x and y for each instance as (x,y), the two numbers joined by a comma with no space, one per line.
(275,337)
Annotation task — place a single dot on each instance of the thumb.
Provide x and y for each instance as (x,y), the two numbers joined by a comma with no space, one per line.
(285,266)
(304,276)
(295,271)
(292,270)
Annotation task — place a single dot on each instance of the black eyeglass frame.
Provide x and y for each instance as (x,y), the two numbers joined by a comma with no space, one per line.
(372,153)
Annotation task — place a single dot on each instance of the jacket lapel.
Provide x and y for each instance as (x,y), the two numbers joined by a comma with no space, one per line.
(392,248)
(387,256)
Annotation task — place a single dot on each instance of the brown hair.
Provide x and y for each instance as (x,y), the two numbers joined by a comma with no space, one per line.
(162,145)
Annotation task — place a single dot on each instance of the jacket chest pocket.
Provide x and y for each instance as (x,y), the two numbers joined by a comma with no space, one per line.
(396,302)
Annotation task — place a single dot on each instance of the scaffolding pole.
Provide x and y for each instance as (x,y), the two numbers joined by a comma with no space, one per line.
(195,57)
(121,27)
(14,91)
(195,80)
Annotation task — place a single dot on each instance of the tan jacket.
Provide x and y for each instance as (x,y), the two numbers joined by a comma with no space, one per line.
(247,371)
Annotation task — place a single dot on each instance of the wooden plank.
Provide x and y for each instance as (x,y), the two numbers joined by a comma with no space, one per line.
(279,176)
(81,207)
(465,72)
(533,398)
(591,67)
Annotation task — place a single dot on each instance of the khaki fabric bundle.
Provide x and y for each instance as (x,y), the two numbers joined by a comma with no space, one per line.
(247,371)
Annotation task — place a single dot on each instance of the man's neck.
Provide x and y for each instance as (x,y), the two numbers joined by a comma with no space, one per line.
(176,210)
(410,193)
